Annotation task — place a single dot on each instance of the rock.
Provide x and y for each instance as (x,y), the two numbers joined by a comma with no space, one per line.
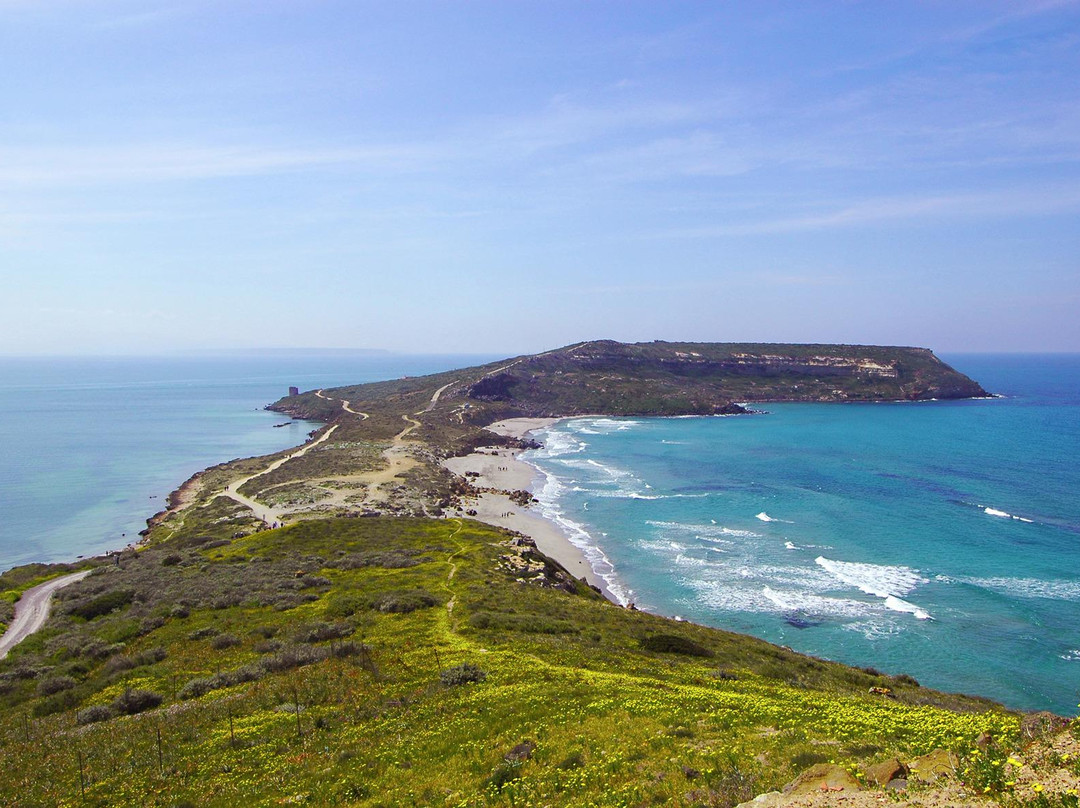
(822,777)
(1034,726)
(882,773)
(770,799)
(931,766)
(899,784)
(523,751)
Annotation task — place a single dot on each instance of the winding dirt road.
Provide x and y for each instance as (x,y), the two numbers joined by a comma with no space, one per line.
(264,512)
(32,610)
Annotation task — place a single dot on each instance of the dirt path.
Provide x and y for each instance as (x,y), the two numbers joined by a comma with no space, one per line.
(32,610)
(264,512)
(344,405)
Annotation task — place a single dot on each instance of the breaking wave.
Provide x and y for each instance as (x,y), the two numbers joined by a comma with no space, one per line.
(879,580)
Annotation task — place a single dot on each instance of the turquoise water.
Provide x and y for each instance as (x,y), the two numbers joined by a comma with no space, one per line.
(939,539)
(91,447)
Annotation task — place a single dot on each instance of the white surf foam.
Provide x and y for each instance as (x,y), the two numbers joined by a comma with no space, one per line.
(1072,656)
(882,581)
(764,517)
(791,545)
(703,531)
(547,496)
(989,510)
(1052,589)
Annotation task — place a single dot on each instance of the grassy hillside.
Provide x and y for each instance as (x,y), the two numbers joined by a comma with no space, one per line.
(419,662)
(664,378)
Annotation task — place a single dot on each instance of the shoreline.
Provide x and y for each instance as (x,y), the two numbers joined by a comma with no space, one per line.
(499,469)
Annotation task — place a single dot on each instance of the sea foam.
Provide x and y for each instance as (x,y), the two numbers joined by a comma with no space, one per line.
(882,581)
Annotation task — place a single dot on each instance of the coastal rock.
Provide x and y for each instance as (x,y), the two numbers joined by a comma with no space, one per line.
(886,771)
(931,766)
(770,799)
(822,777)
(1035,726)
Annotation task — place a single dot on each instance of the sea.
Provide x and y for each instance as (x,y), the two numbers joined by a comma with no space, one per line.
(939,539)
(91,447)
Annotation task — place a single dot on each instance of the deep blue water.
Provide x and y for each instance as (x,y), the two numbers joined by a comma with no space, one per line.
(940,539)
(92,447)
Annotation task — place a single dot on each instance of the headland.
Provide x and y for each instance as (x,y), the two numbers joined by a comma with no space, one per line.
(384,647)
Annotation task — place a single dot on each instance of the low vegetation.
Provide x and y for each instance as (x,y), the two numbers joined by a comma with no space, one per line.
(387,661)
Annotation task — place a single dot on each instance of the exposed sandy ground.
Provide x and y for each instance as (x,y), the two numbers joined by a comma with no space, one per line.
(32,610)
(265,512)
(500,469)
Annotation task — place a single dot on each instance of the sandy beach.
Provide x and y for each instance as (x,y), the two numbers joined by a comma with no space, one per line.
(499,468)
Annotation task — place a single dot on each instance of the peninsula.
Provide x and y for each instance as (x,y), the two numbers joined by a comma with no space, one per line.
(332,625)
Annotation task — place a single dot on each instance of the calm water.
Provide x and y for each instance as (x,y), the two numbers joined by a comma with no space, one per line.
(941,539)
(91,447)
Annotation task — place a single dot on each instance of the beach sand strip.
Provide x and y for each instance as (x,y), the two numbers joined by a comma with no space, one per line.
(498,468)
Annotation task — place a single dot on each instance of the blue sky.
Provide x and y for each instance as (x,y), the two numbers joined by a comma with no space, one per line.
(511,176)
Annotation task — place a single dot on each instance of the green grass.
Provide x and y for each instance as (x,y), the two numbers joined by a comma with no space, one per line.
(365,717)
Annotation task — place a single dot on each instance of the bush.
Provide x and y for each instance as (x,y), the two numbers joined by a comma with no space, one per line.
(223,641)
(103,604)
(345,604)
(203,633)
(131,702)
(57,703)
(462,674)
(295,656)
(171,560)
(91,715)
(403,601)
(674,644)
(525,623)
(204,684)
(320,632)
(199,687)
(54,684)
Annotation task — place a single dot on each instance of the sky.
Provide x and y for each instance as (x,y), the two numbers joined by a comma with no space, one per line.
(509,176)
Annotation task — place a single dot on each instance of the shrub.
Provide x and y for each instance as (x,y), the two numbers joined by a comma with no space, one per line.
(57,703)
(345,604)
(674,644)
(525,623)
(151,624)
(223,641)
(462,674)
(131,702)
(203,633)
(348,649)
(171,560)
(54,684)
(294,656)
(103,604)
(204,684)
(320,632)
(91,715)
(179,610)
(403,601)
(199,687)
